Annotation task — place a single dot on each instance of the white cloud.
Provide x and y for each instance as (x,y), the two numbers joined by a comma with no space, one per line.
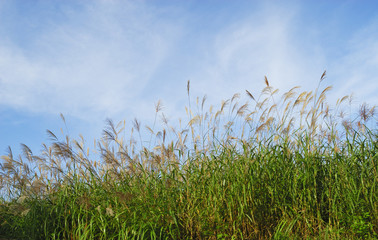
(95,62)
(262,44)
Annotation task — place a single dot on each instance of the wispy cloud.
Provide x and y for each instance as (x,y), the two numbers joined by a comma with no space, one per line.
(261,44)
(96,61)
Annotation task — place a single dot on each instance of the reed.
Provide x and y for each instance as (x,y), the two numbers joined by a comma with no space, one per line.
(288,167)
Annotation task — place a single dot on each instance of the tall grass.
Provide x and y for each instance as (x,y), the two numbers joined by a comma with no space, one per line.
(288,167)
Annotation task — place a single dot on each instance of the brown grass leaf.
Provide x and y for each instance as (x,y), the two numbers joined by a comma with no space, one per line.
(266,81)
(250,95)
(323,76)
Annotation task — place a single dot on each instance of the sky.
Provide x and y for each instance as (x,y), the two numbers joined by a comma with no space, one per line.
(93,60)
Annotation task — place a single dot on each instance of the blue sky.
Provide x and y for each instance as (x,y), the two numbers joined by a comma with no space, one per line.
(92,60)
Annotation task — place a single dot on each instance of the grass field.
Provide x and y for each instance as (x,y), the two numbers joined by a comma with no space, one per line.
(277,167)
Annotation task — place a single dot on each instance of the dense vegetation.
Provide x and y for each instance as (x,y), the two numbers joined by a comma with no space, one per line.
(275,168)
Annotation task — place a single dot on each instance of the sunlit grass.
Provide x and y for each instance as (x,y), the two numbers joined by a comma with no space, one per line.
(285,167)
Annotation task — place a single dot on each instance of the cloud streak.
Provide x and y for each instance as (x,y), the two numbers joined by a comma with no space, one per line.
(97,61)
(262,44)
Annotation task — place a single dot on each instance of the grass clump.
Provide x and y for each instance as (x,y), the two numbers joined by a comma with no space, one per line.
(287,168)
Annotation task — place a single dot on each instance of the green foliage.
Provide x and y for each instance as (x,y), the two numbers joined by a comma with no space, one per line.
(261,176)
